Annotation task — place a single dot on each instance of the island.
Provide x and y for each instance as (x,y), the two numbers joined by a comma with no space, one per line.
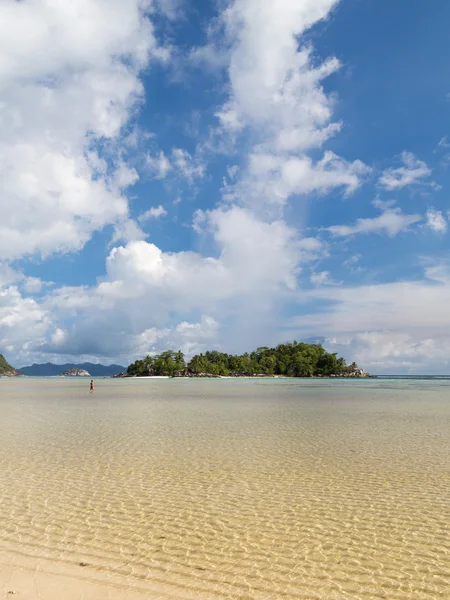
(292,359)
(6,370)
(75,373)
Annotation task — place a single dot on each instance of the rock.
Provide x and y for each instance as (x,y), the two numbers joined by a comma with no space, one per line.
(75,373)
(354,372)
(187,373)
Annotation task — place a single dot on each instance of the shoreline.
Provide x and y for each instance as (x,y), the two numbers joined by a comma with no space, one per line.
(270,377)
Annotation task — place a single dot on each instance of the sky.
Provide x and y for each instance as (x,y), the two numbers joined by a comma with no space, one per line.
(196,174)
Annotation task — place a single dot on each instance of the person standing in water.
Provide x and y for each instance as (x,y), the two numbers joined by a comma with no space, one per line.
(91,386)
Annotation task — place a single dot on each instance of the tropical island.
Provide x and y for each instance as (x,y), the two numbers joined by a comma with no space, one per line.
(292,359)
(6,370)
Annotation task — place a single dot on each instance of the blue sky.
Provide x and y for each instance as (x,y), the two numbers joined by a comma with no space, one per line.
(192,175)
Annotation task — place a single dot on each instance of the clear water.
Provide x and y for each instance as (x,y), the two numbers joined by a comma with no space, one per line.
(267,489)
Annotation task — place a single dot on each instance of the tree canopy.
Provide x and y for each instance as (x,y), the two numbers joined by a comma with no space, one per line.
(292,359)
(5,367)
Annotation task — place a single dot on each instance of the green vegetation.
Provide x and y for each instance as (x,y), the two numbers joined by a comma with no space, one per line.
(290,359)
(5,367)
(166,363)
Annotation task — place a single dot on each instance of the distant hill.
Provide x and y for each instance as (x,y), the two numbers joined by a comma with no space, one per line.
(49,369)
(5,367)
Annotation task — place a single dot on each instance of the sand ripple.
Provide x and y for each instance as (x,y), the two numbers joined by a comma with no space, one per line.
(249,490)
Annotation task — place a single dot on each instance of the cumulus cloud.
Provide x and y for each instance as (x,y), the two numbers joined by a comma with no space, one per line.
(323,278)
(192,338)
(272,179)
(186,165)
(127,231)
(273,84)
(69,79)
(413,172)
(159,165)
(8,275)
(155,212)
(391,222)
(24,323)
(30,285)
(393,352)
(181,163)
(276,98)
(436,221)
(160,298)
(389,327)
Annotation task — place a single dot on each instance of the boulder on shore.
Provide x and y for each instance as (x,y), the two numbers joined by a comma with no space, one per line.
(75,373)
(355,372)
(187,373)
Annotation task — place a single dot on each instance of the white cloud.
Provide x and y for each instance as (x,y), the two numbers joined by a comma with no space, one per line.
(32,285)
(23,322)
(391,222)
(158,298)
(8,275)
(322,278)
(413,172)
(276,98)
(58,337)
(155,212)
(436,221)
(387,327)
(124,176)
(272,179)
(273,84)
(352,261)
(182,164)
(69,77)
(159,165)
(247,260)
(127,230)
(392,352)
(190,338)
(170,8)
(187,166)
(209,56)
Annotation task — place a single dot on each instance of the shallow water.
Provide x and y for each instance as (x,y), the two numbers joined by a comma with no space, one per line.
(265,489)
